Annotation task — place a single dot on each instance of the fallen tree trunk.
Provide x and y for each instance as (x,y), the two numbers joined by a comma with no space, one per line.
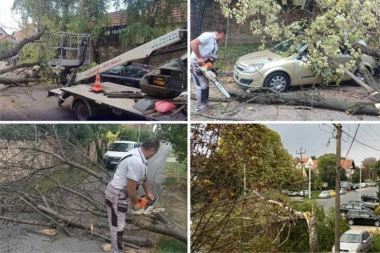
(18,66)
(21,44)
(135,240)
(5,80)
(166,228)
(313,101)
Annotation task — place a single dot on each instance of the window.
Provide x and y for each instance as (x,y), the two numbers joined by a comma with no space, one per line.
(116,71)
(364,215)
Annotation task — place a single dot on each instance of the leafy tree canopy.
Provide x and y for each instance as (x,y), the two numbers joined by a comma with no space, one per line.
(324,26)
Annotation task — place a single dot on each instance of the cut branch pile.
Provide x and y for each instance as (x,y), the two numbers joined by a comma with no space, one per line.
(61,202)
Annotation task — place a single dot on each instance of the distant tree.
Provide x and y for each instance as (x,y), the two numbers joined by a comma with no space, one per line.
(327,172)
(177,136)
(368,170)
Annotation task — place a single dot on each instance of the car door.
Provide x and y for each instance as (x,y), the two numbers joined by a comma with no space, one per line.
(132,76)
(356,217)
(366,242)
(304,75)
(349,207)
(365,218)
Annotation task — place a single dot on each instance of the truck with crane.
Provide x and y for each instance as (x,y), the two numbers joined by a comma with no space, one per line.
(168,83)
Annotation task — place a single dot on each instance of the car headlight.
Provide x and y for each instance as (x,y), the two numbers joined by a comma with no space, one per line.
(252,68)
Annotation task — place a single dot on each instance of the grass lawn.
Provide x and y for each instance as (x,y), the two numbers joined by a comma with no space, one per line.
(376,245)
(227,57)
(175,185)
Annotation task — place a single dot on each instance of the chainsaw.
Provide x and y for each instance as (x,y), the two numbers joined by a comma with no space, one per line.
(146,206)
(209,72)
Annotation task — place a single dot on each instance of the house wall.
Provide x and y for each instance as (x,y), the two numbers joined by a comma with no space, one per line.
(239,33)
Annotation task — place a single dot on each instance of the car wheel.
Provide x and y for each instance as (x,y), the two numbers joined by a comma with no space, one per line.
(278,81)
(82,110)
(377,223)
(351,222)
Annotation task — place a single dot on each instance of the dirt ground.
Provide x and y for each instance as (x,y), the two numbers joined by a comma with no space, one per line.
(236,111)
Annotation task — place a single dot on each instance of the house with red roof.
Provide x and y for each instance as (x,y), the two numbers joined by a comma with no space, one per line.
(348,165)
(4,36)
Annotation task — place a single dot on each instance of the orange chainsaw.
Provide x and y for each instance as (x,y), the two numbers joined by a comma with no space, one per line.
(146,206)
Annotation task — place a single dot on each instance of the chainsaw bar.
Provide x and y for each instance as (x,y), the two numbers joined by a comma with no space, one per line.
(212,77)
(221,88)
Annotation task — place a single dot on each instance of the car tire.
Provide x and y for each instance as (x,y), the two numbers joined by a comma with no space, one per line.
(278,81)
(82,110)
(350,222)
(377,223)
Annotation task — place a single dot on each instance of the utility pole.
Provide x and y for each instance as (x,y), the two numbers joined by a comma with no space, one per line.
(337,186)
(245,182)
(300,153)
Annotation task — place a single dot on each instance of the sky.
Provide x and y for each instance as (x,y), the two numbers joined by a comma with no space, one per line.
(314,138)
(8,21)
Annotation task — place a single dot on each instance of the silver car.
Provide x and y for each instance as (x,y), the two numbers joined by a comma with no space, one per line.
(276,69)
(324,195)
(355,241)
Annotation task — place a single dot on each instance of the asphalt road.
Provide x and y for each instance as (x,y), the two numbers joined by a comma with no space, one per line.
(353,195)
(32,104)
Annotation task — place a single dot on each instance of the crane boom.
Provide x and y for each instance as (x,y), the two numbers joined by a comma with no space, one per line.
(137,53)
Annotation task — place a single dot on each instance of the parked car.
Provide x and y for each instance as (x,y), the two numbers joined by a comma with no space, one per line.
(355,241)
(332,193)
(372,184)
(293,193)
(362,217)
(344,208)
(362,203)
(117,150)
(274,67)
(342,191)
(126,75)
(324,195)
(304,193)
(370,198)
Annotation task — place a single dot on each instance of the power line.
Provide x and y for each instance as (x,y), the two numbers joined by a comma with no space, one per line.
(352,142)
(364,144)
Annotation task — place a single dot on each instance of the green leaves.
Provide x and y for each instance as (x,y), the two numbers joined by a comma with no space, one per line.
(323,28)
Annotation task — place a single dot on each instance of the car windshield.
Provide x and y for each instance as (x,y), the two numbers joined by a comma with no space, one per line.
(285,48)
(120,147)
(350,238)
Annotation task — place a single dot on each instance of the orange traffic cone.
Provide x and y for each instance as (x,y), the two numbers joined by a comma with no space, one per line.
(97,87)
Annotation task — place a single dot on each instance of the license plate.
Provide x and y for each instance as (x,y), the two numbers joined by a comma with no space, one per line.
(159,81)
(235,74)
(114,162)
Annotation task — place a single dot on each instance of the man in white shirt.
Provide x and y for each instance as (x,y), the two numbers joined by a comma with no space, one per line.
(130,174)
(204,49)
